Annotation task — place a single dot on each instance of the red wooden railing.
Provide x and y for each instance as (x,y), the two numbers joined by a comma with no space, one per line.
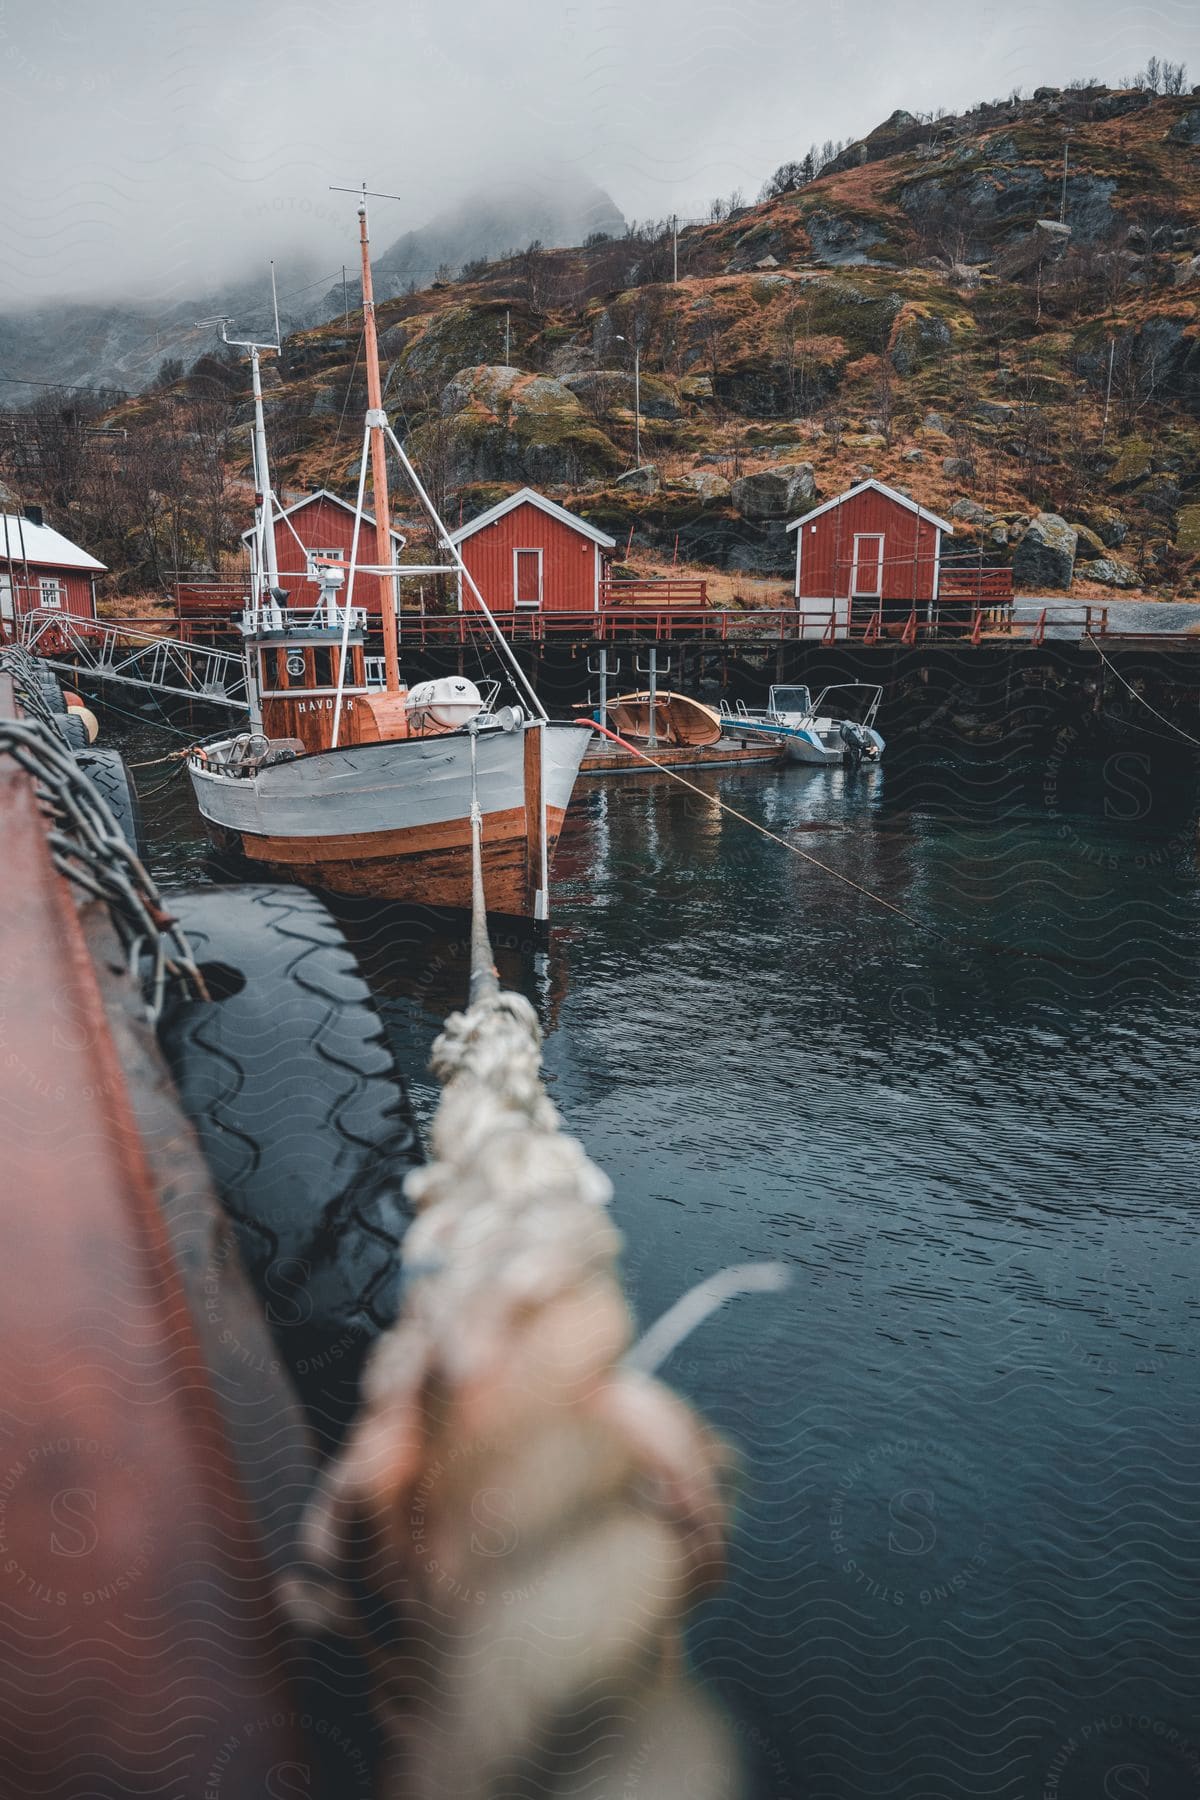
(672,591)
(208,598)
(975,583)
(969,621)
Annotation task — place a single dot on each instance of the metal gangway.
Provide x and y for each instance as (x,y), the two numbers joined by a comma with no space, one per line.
(112,652)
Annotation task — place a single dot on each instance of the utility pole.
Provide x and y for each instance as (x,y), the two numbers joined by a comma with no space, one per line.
(507,337)
(345,296)
(1112,351)
(1062,205)
(637,398)
(675,246)
(637,406)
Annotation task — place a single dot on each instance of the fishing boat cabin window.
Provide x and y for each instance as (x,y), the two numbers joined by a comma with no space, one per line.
(527,577)
(327,556)
(50,593)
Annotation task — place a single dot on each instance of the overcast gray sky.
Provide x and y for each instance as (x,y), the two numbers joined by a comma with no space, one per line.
(149,149)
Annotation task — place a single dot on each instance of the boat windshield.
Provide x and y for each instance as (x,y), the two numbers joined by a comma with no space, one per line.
(791,700)
(855,701)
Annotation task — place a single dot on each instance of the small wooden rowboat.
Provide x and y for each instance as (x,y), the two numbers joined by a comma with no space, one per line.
(678,720)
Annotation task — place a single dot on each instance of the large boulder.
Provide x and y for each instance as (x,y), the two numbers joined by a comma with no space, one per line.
(995,412)
(1107,523)
(1110,571)
(604,390)
(970,512)
(844,241)
(707,484)
(1089,545)
(917,337)
(1187,535)
(1186,129)
(507,425)
(1045,556)
(777,493)
(640,481)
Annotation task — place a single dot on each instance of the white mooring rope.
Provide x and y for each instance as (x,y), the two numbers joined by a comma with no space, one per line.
(522,1516)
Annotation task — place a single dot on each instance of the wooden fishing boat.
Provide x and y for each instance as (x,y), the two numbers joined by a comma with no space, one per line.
(365,790)
(664,718)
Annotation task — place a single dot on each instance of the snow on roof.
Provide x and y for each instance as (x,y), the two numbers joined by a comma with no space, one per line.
(533,498)
(285,512)
(880,487)
(41,545)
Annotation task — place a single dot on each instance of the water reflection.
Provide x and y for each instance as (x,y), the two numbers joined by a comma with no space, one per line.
(968,1551)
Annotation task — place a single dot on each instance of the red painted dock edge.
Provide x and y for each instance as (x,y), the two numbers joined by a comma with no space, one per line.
(143,1644)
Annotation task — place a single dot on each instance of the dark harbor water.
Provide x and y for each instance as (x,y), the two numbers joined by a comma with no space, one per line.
(967,1557)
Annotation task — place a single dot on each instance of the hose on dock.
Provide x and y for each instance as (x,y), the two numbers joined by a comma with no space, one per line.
(521,1518)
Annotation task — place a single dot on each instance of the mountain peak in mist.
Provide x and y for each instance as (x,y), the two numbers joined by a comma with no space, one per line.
(123,344)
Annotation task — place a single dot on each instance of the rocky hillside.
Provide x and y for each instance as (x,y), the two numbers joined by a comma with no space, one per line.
(942,308)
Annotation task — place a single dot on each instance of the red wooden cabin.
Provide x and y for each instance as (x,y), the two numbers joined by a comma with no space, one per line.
(869,550)
(322,524)
(39,567)
(529,555)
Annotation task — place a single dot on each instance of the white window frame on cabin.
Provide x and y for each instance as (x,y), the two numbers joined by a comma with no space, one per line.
(50,593)
(876,593)
(528,550)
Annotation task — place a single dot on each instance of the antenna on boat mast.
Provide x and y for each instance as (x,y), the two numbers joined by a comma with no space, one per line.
(266,562)
(376,425)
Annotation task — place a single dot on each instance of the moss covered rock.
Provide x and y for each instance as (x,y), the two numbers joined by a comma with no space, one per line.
(507,425)
(1187,535)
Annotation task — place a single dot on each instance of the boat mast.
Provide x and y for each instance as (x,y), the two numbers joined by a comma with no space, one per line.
(267,560)
(377,423)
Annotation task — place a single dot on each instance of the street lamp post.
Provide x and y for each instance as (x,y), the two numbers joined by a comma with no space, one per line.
(637,399)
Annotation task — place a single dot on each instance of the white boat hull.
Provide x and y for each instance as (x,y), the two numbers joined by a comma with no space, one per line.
(392,819)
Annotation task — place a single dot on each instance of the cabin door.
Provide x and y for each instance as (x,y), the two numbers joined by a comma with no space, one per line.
(866,577)
(7,618)
(527,577)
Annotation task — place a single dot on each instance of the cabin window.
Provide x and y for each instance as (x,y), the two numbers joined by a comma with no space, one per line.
(527,577)
(316,555)
(323,675)
(50,593)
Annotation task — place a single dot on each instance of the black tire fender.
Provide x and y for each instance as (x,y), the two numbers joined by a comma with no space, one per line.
(73,730)
(52,690)
(302,1117)
(106,771)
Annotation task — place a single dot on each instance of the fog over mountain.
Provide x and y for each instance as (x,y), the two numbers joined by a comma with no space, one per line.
(124,345)
(157,157)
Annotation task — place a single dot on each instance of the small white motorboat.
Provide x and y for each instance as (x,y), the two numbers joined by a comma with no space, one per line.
(837,727)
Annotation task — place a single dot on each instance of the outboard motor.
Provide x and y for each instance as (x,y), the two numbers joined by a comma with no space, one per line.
(859,747)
